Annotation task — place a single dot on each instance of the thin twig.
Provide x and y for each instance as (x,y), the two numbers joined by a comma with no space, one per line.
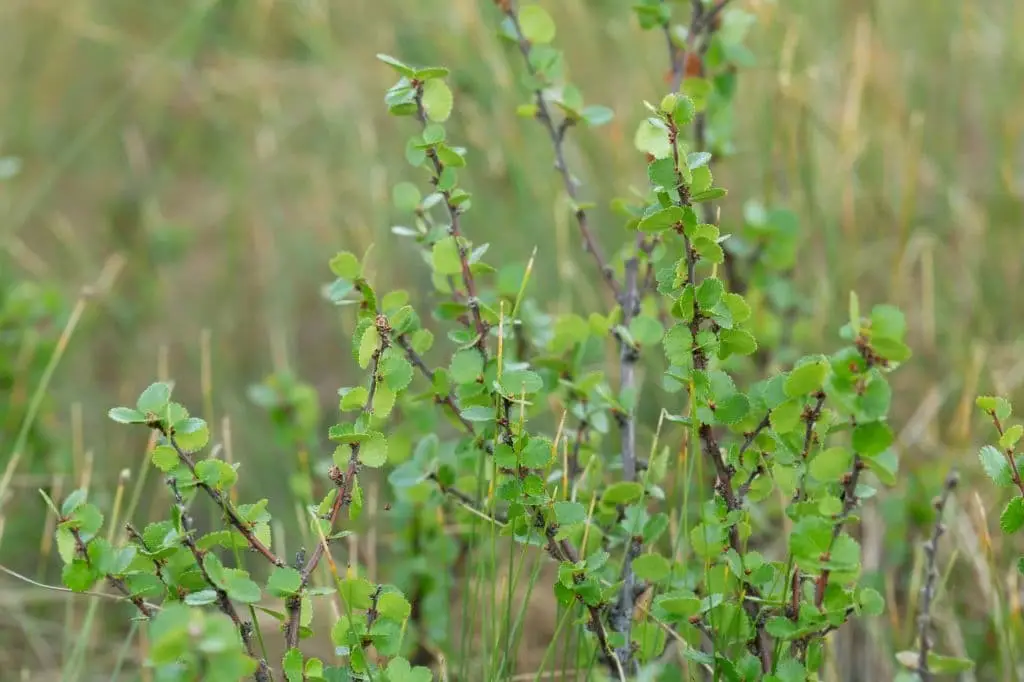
(447,400)
(115,582)
(931,550)
(453,229)
(224,603)
(56,588)
(344,483)
(221,501)
(557,135)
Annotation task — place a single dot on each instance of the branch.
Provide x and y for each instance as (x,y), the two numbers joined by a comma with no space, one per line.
(931,550)
(454,231)
(561,550)
(557,135)
(849,498)
(144,608)
(344,483)
(234,519)
(761,645)
(621,615)
(447,400)
(263,673)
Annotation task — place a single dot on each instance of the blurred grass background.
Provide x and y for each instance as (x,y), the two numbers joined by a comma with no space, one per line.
(220,150)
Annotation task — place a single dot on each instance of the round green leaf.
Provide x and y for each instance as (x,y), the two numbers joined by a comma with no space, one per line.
(437,100)
(807,377)
(466,366)
(521,381)
(651,567)
(536,24)
(872,438)
(154,399)
(1012,518)
(832,464)
(284,581)
(374,451)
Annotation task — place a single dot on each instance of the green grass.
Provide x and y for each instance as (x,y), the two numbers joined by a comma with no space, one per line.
(223,148)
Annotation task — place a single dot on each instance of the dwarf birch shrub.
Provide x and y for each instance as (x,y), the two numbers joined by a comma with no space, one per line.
(718,541)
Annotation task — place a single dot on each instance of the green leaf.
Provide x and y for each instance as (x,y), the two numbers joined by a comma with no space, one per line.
(445,257)
(830,465)
(684,110)
(872,438)
(73,501)
(437,100)
(517,382)
(478,413)
(394,605)
(346,266)
(996,465)
(709,250)
(467,366)
(374,451)
(292,665)
(164,458)
(406,197)
(709,195)
(368,346)
(240,586)
(79,576)
(661,220)
(66,546)
(126,415)
(622,492)
(567,513)
(154,399)
(678,343)
(596,115)
(736,342)
(888,321)
(871,601)
(397,65)
(537,25)
(651,567)
(1012,518)
(201,598)
(383,400)
(353,398)
(356,592)
(732,409)
(738,307)
(396,370)
(284,581)
(806,378)
(1001,407)
(1011,436)
(709,293)
(645,330)
(191,434)
(88,519)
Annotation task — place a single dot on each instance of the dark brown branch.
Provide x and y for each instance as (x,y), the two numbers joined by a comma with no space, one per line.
(453,214)
(447,400)
(220,500)
(224,603)
(115,582)
(344,483)
(850,500)
(557,135)
(931,550)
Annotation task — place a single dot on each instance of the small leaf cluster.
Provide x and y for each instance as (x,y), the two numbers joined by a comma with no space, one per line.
(1003,463)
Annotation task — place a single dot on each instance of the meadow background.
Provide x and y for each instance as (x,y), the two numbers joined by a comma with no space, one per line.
(180,173)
